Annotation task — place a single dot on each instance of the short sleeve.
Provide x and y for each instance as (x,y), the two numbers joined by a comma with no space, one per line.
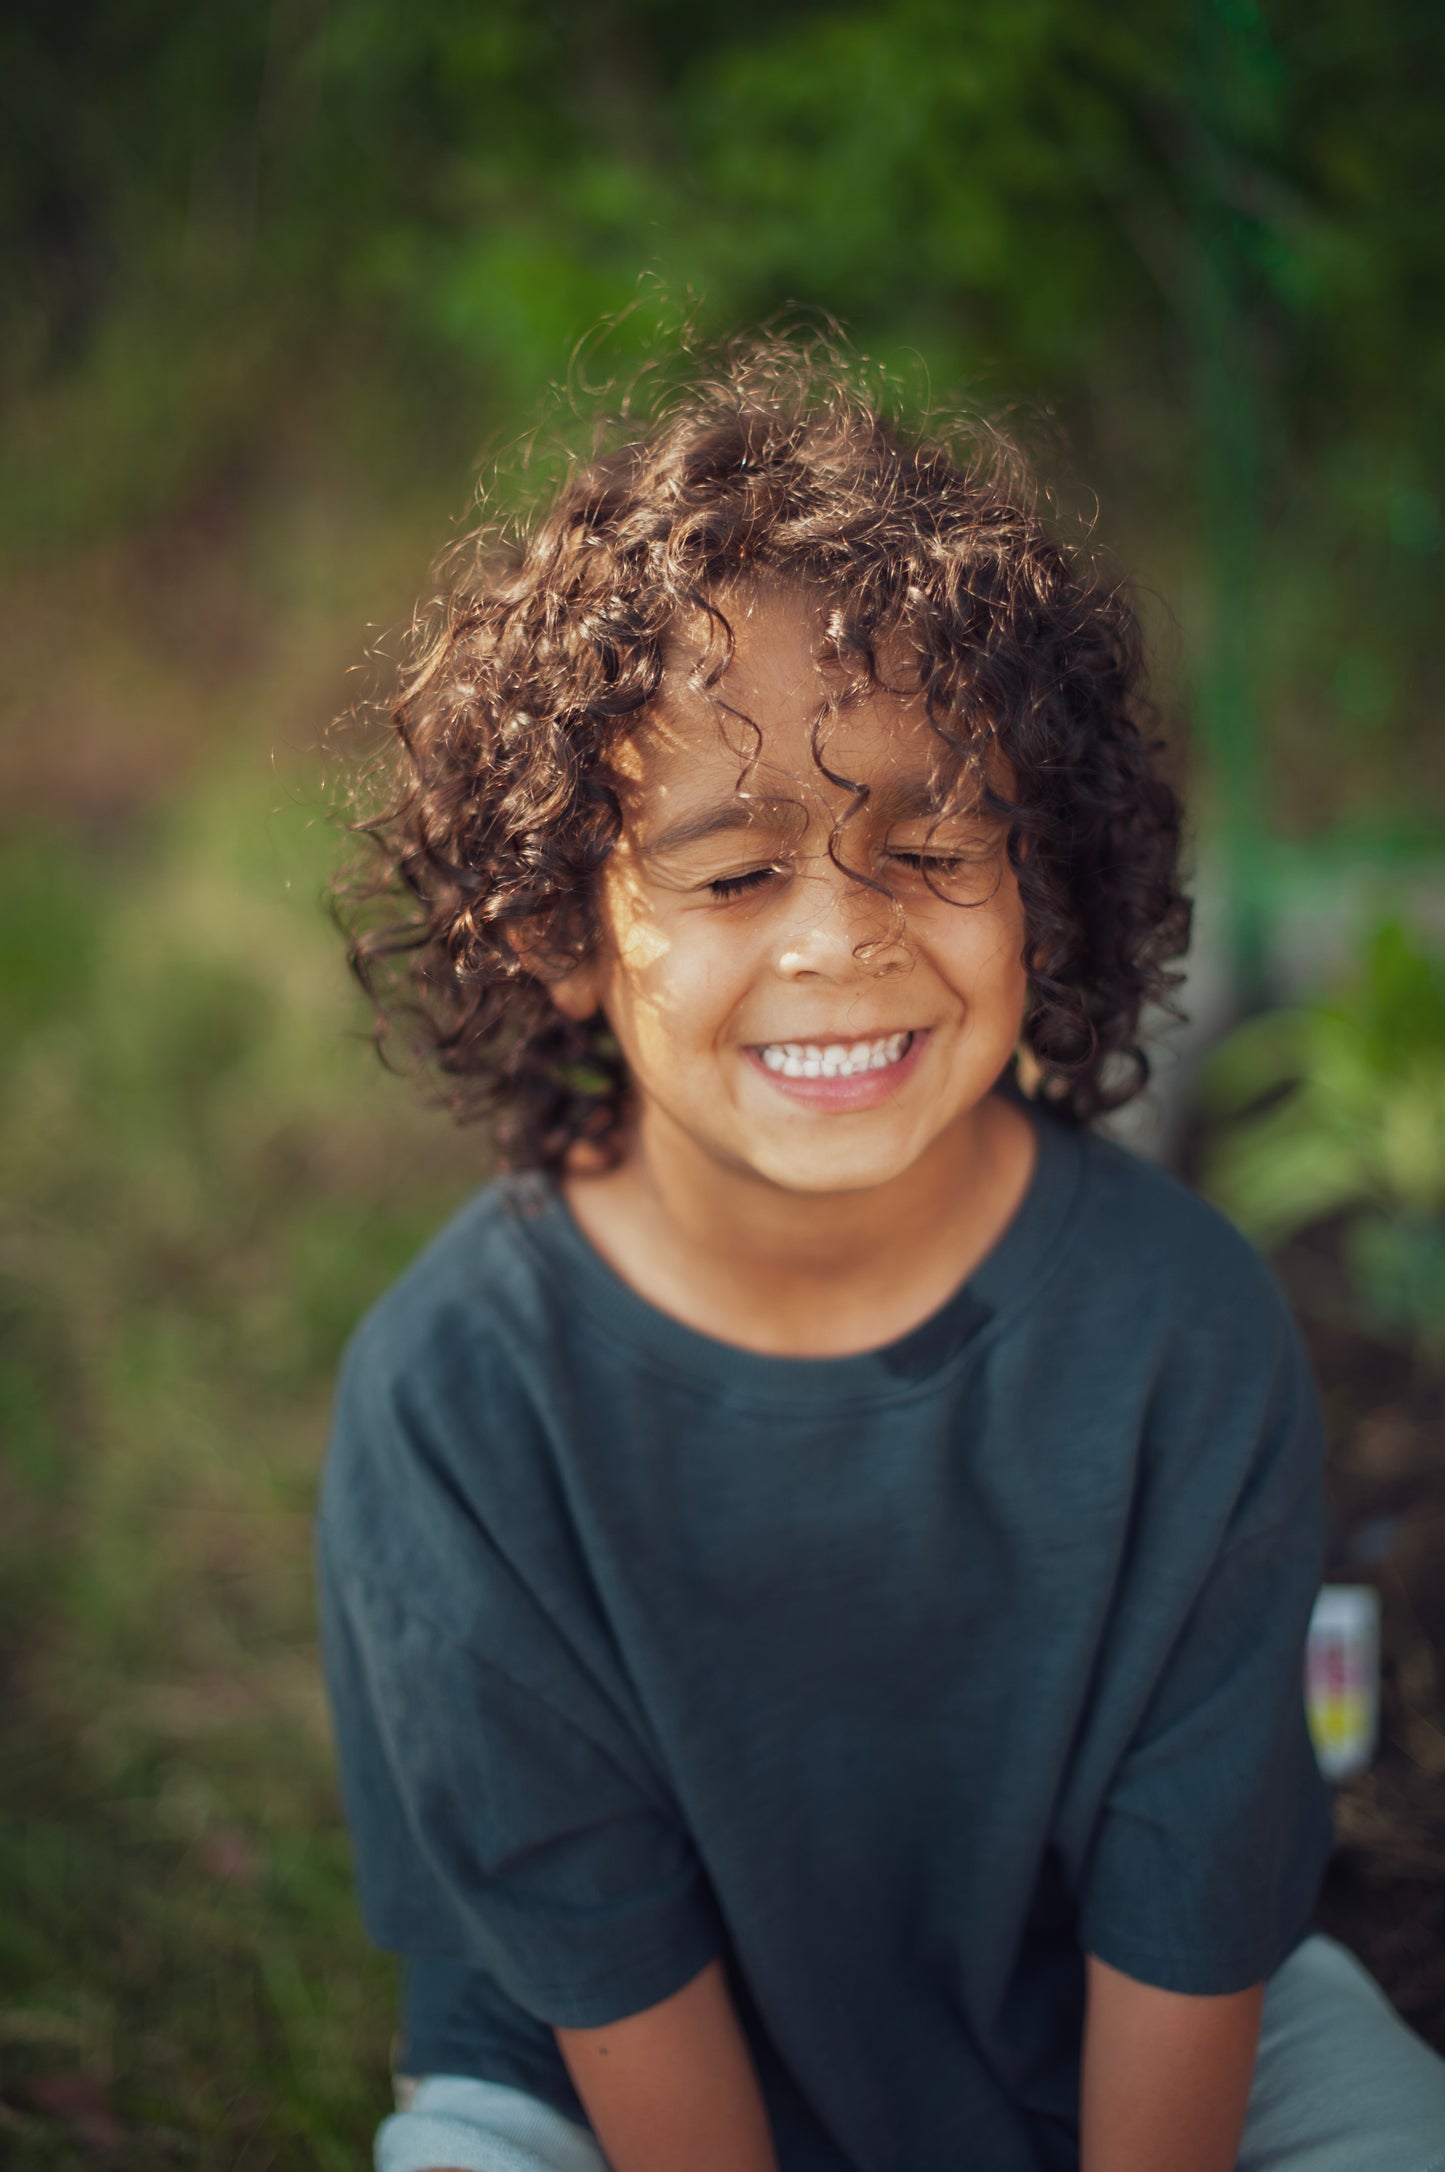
(489,1828)
(1207,1859)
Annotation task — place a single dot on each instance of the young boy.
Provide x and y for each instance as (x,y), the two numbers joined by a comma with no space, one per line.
(815,1559)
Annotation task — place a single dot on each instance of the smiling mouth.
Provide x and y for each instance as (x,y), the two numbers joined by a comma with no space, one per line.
(835,1059)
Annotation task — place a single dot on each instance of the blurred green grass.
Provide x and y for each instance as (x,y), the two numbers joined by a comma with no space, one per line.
(207,1176)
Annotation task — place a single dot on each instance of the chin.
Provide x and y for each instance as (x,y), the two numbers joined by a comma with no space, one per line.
(840,1173)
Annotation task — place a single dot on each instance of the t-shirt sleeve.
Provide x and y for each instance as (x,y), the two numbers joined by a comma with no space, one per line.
(1216,1828)
(490,1828)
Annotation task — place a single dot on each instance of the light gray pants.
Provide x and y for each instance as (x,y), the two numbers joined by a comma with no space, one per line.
(1340,2085)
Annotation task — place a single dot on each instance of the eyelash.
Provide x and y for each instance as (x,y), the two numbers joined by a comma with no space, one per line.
(731,886)
(945,862)
(727,886)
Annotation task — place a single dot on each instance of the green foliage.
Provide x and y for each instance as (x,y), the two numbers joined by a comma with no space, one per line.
(206,1177)
(1200,233)
(1338,1109)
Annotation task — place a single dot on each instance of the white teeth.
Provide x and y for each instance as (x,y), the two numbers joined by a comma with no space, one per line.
(835,1059)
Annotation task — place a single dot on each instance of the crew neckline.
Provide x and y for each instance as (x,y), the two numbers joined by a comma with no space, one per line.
(999,1282)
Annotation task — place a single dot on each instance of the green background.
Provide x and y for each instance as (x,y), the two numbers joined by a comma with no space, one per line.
(282,281)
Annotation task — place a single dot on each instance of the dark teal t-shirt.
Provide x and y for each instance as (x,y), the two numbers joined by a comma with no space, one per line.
(900,1680)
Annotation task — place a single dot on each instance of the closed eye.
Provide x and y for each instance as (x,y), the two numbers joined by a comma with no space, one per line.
(724,886)
(940,864)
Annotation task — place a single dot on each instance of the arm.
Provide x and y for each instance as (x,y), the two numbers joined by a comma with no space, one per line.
(1166,2077)
(674,2085)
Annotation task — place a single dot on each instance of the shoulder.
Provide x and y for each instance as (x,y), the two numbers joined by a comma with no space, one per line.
(1183,1265)
(432,1385)
(1168,1293)
(474,1297)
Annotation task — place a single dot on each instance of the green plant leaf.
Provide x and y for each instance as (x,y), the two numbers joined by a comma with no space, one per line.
(1397,1261)
(1256,1059)
(1360,1126)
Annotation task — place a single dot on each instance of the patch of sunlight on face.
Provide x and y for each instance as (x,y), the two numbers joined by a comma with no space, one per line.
(632,923)
(638,946)
(639,940)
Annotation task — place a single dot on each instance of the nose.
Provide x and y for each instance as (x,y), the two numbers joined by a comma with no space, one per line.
(837,928)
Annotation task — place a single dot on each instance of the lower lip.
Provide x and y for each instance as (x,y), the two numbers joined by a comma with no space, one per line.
(864,1090)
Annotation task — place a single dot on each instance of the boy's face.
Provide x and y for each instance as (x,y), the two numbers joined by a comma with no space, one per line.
(730,971)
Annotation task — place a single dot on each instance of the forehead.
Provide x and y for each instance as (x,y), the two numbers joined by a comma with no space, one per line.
(756,732)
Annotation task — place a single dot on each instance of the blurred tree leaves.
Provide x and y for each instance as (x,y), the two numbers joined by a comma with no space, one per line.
(1205,232)
(1000,185)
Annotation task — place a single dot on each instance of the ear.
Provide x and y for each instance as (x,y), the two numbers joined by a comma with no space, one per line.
(1030,1071)
(578,993)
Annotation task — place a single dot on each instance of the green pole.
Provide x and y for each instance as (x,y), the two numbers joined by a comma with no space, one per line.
(1233,80)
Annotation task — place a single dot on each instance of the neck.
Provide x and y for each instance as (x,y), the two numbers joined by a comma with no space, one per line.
(773,1234)
(805,1273)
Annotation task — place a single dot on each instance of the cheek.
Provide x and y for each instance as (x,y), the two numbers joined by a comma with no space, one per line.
(986,959)
(643,945)
(645,992)
(636,949)
(634,933)
(682,984)
(1010,932)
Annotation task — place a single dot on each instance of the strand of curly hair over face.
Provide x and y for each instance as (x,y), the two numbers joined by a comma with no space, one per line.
(497,808)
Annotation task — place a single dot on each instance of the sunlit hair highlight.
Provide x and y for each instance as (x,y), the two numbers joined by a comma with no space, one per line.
(488,821)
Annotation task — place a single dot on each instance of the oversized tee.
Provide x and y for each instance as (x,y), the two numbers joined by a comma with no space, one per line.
(900,1680)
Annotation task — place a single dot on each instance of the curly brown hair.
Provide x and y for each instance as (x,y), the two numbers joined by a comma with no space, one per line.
(772,465)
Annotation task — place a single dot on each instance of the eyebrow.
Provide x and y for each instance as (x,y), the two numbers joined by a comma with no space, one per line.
(727,814)
(906,799)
